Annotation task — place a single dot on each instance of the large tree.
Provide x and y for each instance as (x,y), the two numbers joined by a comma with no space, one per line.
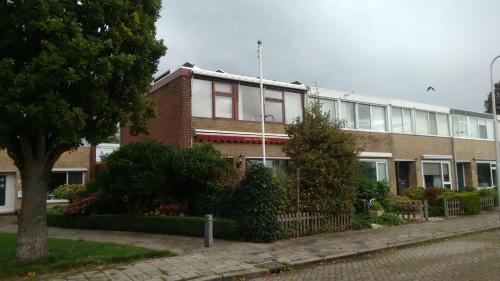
(487,102)
(327,157)
(69,70)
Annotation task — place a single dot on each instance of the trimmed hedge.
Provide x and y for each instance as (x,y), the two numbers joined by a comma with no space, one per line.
(189,226)
(471,201)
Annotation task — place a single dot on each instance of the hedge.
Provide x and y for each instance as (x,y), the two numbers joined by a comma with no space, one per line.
(189,226)
(471,201)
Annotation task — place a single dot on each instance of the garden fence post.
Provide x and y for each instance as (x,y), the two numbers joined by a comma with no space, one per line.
(426,210)
(209,235)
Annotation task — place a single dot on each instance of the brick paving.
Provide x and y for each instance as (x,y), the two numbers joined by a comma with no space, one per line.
(474,257)
(230,258)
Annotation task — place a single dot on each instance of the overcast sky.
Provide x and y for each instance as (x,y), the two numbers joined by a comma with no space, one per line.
(383,48)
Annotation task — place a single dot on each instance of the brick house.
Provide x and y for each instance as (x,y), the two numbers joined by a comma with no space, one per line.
(406,143)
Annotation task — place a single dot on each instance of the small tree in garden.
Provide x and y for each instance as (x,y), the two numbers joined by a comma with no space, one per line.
(69,70)
(256,203)
(327,157)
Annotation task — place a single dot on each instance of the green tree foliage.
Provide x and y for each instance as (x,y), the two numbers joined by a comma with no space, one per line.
(69,70)
(141,176)
(487,102)
(327,158)
(368,189)
(138,176)
(256,203)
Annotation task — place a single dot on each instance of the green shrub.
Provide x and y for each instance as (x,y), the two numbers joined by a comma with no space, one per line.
(414,193)
(71,192)
(376,206)
(471,203)
(256,202)
(469,189)
(189,226)
(368,189)
(137,177)
(288,189)
(489,192)
(203,178)
(58,210)
(401,200)
(362,221)
(470,200)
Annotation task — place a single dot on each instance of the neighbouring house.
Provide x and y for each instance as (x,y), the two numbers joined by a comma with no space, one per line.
(404,142)
(73,167)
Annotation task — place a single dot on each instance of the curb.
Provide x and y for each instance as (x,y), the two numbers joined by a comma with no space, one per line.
(306,263)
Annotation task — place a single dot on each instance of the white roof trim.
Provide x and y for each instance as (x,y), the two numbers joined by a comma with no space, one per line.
(362,98)
(436,156)
(236,133)
(69,169)
(199,71)
(375,154)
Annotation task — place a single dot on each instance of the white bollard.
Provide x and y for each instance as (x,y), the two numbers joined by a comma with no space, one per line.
(209,235)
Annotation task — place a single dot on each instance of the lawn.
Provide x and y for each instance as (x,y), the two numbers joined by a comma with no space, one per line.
(69,254)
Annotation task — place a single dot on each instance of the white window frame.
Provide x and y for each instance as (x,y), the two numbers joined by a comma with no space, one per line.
(403,119)
(378,161)
(492,173)
(450,182)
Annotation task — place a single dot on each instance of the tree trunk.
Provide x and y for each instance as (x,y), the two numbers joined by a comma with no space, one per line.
(32,221)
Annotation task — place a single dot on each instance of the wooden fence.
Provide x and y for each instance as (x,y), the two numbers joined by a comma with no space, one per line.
(487,203)
(453,206)
(414,211)
(303,223)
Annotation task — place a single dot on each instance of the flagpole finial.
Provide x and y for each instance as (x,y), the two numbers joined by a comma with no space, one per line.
(259,42)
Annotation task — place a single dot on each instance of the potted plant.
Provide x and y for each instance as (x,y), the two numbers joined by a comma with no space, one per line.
(376,209)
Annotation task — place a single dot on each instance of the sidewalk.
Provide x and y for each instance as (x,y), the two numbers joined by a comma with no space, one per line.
(230,259)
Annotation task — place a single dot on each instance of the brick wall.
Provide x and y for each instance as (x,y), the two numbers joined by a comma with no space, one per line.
(173,109)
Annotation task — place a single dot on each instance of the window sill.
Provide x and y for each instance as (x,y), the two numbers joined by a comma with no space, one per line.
(54,201)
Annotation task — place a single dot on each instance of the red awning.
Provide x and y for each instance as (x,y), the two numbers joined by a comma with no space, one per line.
(238,138)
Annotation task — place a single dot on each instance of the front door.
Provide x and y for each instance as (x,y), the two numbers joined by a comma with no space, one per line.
(460,176)
(3,190)
(402,176)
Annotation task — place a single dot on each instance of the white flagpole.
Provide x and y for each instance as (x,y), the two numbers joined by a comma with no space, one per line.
(262,116)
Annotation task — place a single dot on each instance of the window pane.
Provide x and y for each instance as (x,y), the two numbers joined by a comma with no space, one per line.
(432,123)
(201,99)
(223,87)
(474,133)
(432,175)
(442,125)
(446,172)
(397,120)
(483,131)
(293,106)
(489,129)
(484,175)
(223,107)
(249,103)
(328,106)
(273,94)
(381,171)
(422,122)
(408,121)
(75,177)
(348,114)
(368,169)
(364,116)
(378,118)
(274,111)
(56,179)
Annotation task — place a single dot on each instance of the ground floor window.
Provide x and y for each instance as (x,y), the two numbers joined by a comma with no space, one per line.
(486,172)
(58,178)
(274,163)
(374,169)
(437,174)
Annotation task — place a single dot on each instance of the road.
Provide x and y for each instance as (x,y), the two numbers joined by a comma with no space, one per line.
(473,257)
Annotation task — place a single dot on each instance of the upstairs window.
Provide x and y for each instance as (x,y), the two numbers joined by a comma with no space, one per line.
(249,103)
(328,106)
(273,106)
(201,99)
(431,123)
(348,114)
(223,96)
(371,117)
(460,128)
(293,106)
(402,121)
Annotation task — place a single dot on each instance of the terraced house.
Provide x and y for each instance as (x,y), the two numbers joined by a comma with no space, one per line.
(406,143)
